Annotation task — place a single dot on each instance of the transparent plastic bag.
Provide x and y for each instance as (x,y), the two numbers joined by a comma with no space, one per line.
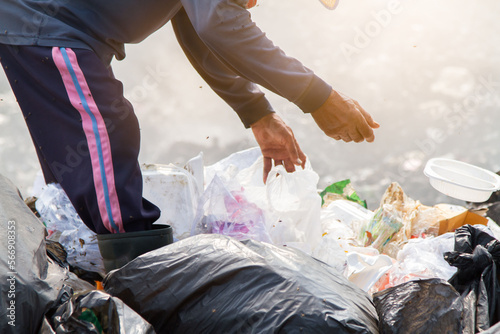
(226,212)
(65,226)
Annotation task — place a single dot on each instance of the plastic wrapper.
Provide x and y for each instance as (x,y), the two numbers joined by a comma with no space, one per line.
(425,306)
(216,284)
(340,190)
(65,226)
(229,213)
(380,229)
(476,257)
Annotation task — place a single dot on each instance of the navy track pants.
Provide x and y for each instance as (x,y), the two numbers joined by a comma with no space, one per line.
(85,133)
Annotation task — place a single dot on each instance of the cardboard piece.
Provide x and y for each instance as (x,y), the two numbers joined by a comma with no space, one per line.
(466,217)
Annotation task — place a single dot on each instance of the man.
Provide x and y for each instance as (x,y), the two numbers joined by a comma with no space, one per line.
(57,53)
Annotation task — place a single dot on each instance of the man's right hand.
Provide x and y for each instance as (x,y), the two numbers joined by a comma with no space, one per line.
(342,118)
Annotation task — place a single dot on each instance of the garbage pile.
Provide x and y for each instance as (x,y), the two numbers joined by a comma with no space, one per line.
(282,256)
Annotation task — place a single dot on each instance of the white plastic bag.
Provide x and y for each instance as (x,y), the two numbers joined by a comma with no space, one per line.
(295,203)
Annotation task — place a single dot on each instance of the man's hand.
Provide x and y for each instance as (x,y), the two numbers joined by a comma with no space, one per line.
(340,117)
(277,143)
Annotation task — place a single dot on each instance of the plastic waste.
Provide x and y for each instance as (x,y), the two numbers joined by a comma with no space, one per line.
(65,226)
(96,312)
(229,213)
(340,190)
(176,192)
(396,213)
(31,282)
(425,306)
(216,284)
(341,218)
(476,255)
(296,204)
(365,270)
(330,252)
(289,202)
(385,223)
(420,259)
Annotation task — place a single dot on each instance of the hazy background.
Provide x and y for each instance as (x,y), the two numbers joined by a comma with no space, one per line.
(428,72)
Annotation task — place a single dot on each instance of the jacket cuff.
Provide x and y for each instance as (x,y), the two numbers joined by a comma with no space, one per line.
(315,95)
(251,113)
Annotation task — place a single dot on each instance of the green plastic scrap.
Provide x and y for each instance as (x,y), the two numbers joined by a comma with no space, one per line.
(345,190)
(89,316)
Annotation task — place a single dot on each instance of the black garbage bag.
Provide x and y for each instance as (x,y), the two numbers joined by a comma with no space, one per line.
(30,282)
(95,312)
(424,306)
(476,256)
(216,284)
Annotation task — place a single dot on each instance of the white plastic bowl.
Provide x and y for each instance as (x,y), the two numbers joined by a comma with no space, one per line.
(460,180)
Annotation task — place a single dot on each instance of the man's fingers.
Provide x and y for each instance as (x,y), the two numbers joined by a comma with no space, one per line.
(369,119)
(268,164)
(289,166)
(346,138)
(303,158)
(357,137)
(293,147)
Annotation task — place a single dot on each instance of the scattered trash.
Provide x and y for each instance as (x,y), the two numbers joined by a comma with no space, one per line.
(303,254)
(215,284)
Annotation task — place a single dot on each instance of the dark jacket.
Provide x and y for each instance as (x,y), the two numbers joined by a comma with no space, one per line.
(222,42)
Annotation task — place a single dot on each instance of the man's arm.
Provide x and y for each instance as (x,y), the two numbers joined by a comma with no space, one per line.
(274,137)
(226,28)
(242,95)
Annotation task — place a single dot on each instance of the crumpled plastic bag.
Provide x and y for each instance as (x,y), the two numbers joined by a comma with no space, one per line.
(420,259)
(476,255)
(425,306)
(96,312)
(226,212)
(65,226)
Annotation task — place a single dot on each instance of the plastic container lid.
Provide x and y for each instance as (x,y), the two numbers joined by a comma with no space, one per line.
(461,180)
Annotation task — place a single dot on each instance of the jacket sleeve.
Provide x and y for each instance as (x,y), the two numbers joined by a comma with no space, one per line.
(226,28)
(241,94)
